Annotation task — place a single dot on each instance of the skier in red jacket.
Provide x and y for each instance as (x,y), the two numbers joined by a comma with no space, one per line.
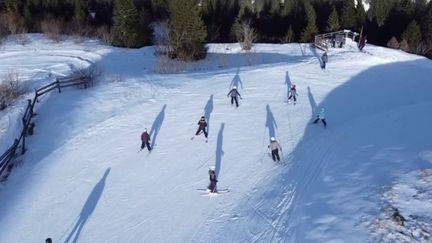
(145,139)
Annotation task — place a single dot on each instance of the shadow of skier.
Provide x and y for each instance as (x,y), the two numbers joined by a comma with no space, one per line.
(288,84)
(157,124)
(219,150)
(312,102)
(88,208)
(270,122)
(236,80)
(208,109)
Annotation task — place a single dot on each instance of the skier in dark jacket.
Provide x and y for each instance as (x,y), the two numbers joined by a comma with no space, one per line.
(362,42)
(293,94)
(202,127)
(145,139)
(213,180)
(324,59)
(234,93)
(274,147)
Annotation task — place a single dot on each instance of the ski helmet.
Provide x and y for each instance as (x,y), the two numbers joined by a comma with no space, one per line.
(145,129)
(272,139)
(234,87)
(212,168)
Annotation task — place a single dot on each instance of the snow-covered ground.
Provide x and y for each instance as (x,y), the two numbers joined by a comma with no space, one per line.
(83,178)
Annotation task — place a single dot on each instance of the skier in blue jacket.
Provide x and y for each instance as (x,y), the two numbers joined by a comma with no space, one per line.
(321,116)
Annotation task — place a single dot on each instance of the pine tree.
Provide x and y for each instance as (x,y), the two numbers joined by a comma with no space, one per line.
(333,21)
(380,10)
(360,14)
(348,16)
(311,29)
(427,27)
(412,35)
(287,7)
(187,30)
(13,6)
(126,23)
(80,14)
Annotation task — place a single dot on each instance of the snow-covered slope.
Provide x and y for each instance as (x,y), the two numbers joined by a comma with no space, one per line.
(83,178)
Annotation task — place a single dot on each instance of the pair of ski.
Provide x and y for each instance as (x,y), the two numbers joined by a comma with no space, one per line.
(207,192)
(192,138)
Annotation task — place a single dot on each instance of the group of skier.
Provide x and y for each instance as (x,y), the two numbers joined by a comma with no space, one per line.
(274,146)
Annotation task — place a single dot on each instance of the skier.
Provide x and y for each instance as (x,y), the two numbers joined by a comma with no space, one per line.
(274,147)
(324,59)
(234,93)
(48,240)
(145,139)
(213,180)
(321,116)
(202,127)
(362,42)
(293,94)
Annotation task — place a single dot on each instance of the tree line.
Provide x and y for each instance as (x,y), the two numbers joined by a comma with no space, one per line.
(182,27)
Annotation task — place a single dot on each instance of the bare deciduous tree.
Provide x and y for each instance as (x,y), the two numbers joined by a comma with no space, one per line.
(52,28)
(246,35)
(161,37)
(10,89)
(106,34)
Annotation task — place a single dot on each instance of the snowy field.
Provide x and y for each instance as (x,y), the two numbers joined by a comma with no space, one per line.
(83,178)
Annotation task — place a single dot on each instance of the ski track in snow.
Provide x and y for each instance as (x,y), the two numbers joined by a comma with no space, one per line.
(152,197)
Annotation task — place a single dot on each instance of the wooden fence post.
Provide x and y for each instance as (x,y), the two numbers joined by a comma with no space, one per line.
(58,85)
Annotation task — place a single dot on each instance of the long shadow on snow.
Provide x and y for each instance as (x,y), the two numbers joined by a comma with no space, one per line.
(334,177)
(236,81)
(312,103)
(288,84)
(270,122)
(208,109)
(157,124)
(219,150)
(88,208)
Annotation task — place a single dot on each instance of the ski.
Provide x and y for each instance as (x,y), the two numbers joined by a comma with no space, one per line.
(206,192)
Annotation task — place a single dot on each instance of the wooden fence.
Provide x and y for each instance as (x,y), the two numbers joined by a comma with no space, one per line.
(6,159)
(324,41)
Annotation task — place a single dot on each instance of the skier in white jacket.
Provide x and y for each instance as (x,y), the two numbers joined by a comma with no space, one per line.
(274,147)
(321,116)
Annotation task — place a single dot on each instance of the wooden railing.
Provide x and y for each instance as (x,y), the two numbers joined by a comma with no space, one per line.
(6,159)
(324,41)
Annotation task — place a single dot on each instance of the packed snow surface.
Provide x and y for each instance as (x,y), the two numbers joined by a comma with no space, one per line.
(84,178)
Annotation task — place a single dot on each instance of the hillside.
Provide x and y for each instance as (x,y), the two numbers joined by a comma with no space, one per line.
(84,179)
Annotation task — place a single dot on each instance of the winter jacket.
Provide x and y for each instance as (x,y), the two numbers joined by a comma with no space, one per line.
(202,123)
(212,175)
(321,115)
(145,137)
(293,91)
(274,145)
(234,93)
(324,57)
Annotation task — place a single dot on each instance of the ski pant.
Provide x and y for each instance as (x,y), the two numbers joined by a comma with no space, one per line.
(146,144)
(323,121)
(323,65)
(203,130)
(293,97)
(275,155)
(212,186)
(234,98)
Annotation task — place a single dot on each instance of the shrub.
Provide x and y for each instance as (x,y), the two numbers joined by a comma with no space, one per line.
(106,34)
(393,43)
(52,28)
(10,89)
